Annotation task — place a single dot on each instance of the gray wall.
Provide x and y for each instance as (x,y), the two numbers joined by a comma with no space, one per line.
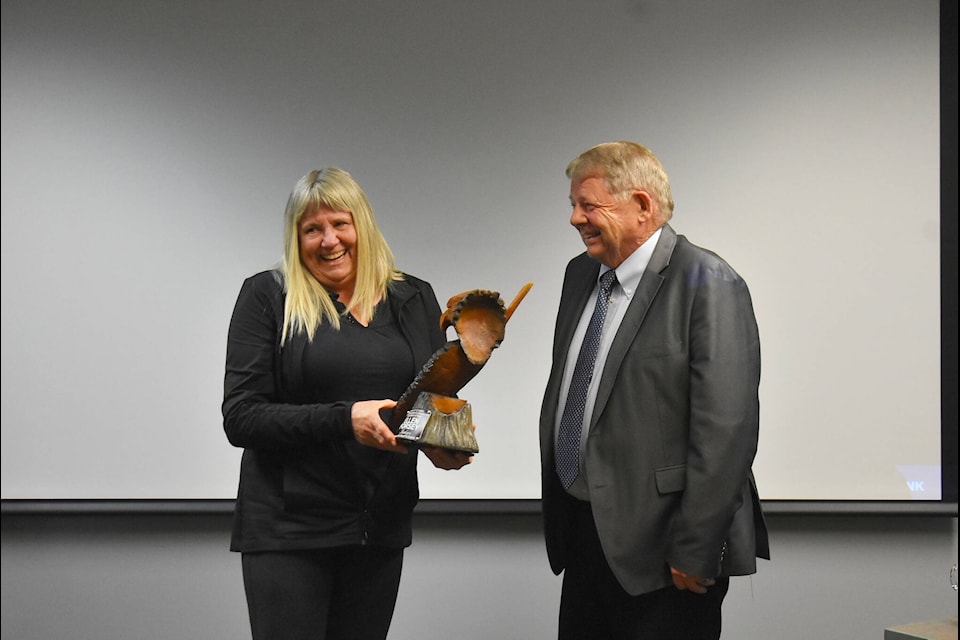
(478,577)
(148,149)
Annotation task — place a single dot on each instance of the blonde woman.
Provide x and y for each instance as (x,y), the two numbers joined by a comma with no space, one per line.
(317,348)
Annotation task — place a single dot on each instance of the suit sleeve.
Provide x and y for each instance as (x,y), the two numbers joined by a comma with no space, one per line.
(724,417)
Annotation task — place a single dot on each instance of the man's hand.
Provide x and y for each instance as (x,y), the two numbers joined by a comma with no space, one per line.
(686,582)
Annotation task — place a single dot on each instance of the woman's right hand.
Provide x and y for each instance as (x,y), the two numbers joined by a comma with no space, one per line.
(370,430)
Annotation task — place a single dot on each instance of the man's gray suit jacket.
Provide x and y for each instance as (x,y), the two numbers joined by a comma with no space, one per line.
(675,426)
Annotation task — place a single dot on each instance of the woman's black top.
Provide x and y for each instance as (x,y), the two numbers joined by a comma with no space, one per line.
(305,483)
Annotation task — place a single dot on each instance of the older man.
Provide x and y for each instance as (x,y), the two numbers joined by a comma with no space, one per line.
(650,418)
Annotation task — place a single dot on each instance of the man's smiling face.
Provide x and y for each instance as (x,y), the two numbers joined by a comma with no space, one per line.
(611,228)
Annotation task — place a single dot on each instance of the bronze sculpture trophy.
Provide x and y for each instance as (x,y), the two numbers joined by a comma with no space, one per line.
(428,413)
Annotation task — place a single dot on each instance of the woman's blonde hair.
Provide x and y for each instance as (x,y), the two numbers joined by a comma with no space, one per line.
(308,303)
(625,166)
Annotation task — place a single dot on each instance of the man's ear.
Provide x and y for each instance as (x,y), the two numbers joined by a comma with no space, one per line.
(646,203)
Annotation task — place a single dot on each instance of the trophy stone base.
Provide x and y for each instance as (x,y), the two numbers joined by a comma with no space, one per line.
(439,421)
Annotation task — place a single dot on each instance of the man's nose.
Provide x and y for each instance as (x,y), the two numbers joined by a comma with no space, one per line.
(577,217)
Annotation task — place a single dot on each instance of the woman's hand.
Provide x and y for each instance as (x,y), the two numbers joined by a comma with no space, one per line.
(447,459)
(370,430)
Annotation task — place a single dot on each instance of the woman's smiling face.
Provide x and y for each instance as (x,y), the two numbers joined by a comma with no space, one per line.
(328,245)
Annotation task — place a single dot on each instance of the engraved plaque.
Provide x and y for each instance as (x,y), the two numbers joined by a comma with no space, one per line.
(440,421)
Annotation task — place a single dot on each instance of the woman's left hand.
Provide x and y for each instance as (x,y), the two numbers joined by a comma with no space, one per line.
(447,459)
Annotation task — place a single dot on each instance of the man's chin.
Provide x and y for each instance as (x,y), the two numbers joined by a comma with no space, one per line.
(595,250)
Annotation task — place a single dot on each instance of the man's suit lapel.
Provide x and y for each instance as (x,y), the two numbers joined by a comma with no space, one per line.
(581,278)
(582,281)
(646,291)
(578,283)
